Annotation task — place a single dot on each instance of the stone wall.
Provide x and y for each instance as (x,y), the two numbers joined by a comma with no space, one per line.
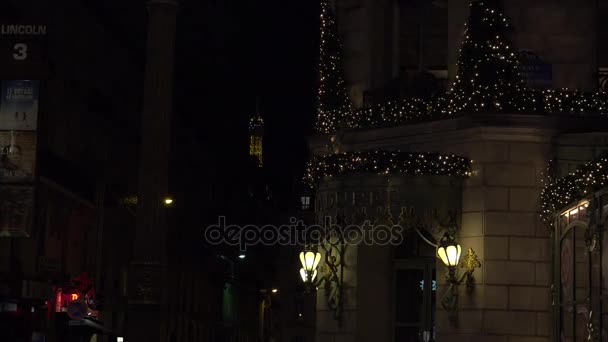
(369,33)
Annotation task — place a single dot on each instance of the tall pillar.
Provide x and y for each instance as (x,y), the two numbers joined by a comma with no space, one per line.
(147,273)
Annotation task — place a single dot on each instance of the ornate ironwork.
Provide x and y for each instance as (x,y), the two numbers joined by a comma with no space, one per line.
(331,270)
(582,221)
(470,263)
(603,79)
(334,247)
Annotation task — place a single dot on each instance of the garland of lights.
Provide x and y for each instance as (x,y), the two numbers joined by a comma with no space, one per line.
(385,162)
(488,80)
(407,111)
(588,178)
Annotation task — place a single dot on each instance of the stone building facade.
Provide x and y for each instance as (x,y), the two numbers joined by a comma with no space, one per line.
(498,206)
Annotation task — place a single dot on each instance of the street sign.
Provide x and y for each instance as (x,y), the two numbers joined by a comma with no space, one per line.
(535,72)
(77,310)
(23,50)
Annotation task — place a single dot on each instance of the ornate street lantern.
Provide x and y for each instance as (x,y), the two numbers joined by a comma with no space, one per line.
(448,251)
(310,261)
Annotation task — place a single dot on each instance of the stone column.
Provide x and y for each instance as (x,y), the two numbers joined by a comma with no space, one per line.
(147,274)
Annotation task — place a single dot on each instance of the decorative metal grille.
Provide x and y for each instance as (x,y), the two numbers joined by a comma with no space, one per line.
(580,282)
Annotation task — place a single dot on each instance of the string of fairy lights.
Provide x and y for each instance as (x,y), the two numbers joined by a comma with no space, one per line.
(560,192)
(385,162)
(332,98)
(488,80)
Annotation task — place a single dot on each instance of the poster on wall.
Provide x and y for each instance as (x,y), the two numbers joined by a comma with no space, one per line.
(17,156)
(19,105)
(16,210)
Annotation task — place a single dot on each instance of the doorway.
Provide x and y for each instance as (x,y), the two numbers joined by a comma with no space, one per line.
(414,289)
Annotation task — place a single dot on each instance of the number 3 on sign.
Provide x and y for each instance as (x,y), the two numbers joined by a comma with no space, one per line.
(20,51)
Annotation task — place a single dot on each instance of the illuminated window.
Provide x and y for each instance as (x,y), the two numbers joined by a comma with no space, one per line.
(305,200)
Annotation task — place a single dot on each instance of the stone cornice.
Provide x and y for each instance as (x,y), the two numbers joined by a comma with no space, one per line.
(474,127)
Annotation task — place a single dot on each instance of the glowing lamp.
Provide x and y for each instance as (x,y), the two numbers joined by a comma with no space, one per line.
(304,275)
(448,251)
(168,201)
(310,261)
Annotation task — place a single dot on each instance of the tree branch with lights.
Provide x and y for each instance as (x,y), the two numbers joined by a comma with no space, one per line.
(558,193)
(332,99)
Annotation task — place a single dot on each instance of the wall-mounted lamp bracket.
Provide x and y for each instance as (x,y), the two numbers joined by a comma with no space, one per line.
(333,247)
(450,298)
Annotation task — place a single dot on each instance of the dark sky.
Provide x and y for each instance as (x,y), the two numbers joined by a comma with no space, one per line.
(230,52)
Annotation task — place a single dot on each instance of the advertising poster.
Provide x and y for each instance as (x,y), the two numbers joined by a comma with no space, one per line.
(17,156)
(16,210)
(19,105)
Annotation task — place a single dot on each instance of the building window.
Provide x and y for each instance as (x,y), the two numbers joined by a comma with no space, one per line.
(305,201)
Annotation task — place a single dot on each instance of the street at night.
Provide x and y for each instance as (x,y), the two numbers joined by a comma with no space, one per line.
(303,171)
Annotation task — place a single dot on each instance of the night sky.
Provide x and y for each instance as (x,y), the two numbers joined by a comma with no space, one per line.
(229,53)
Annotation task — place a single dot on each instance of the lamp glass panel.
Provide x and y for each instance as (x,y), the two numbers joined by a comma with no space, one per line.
(302,260)
(309,259)
(441,253)
(453,255)
(303,274)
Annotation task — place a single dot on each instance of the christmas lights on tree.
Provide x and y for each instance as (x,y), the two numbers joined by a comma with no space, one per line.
(488,78)
(332,99)
(560,192)
(385,162)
